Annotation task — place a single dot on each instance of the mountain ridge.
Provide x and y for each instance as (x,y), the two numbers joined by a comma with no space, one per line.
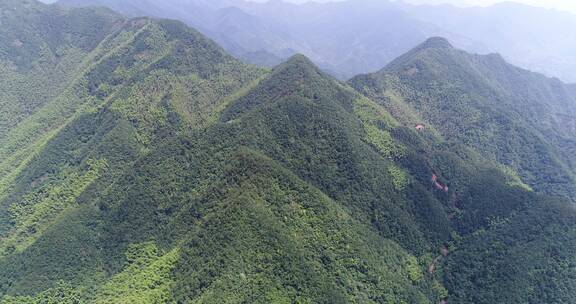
(370,34)
(170,172)
(438,81)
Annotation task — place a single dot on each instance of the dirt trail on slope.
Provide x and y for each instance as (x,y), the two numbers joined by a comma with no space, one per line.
(443,253)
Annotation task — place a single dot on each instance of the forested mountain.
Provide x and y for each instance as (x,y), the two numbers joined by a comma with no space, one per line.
(531,37)
(244,35)
(519,119)
(162,170)
(43,47)
(347,38)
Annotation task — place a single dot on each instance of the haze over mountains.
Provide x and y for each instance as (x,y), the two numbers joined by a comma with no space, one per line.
(141,163)
(359,36)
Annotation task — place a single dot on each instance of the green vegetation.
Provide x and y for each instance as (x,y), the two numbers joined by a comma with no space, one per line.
(32,214)
(399,178)
(42,47)
(505,248)
(377,125)
(518,119)
(519,253)
(146,277)
(62,293)
(165,171)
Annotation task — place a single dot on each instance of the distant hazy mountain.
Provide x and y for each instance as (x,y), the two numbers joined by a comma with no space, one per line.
(348,38)
(535,38)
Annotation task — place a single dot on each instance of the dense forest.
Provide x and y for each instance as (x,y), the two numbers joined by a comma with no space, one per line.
(146,165)
(520,120)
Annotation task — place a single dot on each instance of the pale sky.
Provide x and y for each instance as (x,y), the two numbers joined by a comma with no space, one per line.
(566,5)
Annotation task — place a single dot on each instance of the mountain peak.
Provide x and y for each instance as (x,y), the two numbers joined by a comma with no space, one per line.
(299,60)
(297,67)
(436,43)
(296,78)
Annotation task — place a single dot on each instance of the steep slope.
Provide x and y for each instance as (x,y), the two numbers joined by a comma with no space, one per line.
(92,178)
(140,70)
(141,78)
(168,172)
(519,119)
(41,49)
(202,193)
(506,263)
(292,196)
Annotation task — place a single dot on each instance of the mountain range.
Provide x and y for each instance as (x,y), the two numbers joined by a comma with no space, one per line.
(141,163)
(359,36)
